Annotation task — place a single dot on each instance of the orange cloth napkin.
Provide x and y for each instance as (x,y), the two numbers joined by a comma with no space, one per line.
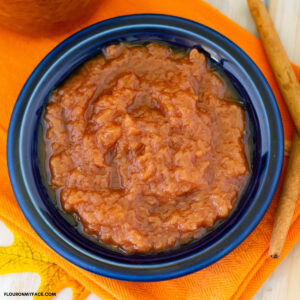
(236,276)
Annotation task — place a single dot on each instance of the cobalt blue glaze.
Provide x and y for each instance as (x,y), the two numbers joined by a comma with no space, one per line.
(266,143)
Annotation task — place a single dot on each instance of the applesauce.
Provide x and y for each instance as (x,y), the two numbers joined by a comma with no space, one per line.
(144,147)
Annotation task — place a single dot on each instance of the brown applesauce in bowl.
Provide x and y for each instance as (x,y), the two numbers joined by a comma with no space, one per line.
(145,148)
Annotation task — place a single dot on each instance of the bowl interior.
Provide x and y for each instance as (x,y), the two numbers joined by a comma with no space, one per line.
(28,175)
(72,233)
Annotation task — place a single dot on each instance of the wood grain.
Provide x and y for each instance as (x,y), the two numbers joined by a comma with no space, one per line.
(286,18)
(236,10)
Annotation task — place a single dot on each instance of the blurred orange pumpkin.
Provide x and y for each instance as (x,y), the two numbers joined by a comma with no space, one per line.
(45,16)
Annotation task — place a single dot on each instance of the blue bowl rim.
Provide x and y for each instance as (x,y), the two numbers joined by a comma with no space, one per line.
(172,273)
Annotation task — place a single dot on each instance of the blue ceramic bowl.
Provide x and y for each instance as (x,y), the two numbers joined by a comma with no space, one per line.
(266,148)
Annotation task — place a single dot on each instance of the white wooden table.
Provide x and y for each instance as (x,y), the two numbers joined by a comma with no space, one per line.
(284,283)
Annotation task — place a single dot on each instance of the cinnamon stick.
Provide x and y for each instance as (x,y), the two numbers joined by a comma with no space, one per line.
(287,201)
(290,90)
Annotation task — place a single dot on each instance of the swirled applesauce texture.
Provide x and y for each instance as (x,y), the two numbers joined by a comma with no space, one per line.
(144,148)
